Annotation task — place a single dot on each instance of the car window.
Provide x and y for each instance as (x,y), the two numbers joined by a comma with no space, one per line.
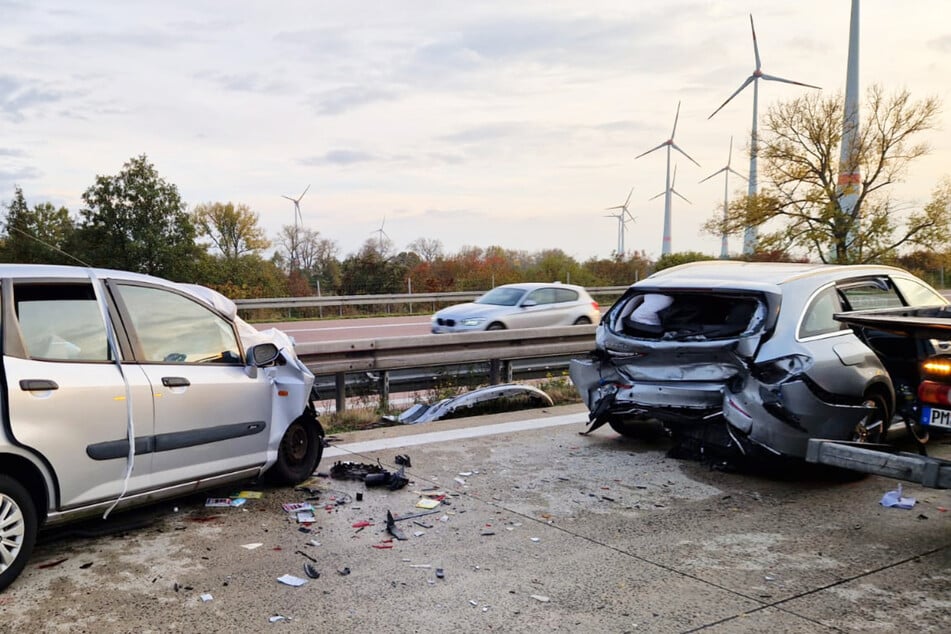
(870,294)
(818,319)
(565,295)
(542,296)
(61,322)
(172,328)
(916,293)
(501,296)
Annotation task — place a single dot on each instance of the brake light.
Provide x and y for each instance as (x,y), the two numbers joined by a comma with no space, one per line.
(937,367)
(934,393)
(594,305)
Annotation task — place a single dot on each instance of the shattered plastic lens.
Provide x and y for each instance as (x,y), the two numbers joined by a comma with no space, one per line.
(781,369)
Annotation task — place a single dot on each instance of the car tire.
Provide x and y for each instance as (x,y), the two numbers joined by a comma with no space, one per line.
(627,428)
(18,527)
(874,427)
(496,326)
(582,321)
(299,452)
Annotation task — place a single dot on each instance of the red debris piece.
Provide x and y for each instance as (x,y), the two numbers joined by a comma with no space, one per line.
(362,524)
(942,509)
(383,545)
(52,564)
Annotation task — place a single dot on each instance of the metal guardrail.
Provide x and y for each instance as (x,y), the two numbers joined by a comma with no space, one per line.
(498,348)
(341,301)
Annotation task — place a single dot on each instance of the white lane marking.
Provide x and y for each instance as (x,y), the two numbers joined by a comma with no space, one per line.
(452,434)
(378,326)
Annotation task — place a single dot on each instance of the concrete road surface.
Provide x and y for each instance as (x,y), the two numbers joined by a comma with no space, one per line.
(540,530)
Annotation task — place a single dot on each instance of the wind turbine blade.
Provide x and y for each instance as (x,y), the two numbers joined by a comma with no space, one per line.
(657,196)
(651,150)
(289,198)
(746,83)
(733,171)
(676,116)
(719,171)
(729,157)
(617,207)
(788,81)
(755,45)
(673,182)
(629,215)
(624,206)
(678,194)
(674,145)
(302,195)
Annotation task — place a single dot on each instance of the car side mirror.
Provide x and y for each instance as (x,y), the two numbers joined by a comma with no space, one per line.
(263,354)
(528,303)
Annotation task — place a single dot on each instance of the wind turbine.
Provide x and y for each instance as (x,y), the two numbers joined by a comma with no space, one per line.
(726,170)
(673,189)
(621,222)
(382,234)
(298,219)
(669,143)
(749,236)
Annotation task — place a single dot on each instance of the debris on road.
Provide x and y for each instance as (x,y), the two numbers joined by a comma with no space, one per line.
(422,413)
(541,598)
(297,507)
(311,571)
(291,580)
(252,546)
(205,598)
(403,460)
(216,502)
(895,499)
(392,529)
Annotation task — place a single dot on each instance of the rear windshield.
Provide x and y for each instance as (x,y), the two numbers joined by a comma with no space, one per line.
(687,316)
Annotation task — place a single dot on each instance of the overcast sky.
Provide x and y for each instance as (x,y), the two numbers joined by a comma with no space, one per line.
(475,123)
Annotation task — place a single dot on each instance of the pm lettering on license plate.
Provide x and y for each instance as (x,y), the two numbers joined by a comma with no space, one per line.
(936,417)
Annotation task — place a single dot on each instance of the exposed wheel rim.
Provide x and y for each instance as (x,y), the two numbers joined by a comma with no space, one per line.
(296,444)
(870,428)
(12,531)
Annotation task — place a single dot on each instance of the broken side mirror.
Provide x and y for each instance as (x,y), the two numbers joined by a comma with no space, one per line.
(263,354)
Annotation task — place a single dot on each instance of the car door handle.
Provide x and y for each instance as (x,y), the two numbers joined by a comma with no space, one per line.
(175,381)
(38,385)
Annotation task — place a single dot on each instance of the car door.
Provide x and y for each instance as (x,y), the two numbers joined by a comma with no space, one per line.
(67,397)
(211,414)
(536,309)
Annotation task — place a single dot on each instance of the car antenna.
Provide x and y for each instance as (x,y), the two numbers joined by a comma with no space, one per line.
(48,245)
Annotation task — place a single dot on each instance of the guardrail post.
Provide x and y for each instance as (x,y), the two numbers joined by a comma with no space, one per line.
(495,371)
(384,391)
(340,382)
(507,370)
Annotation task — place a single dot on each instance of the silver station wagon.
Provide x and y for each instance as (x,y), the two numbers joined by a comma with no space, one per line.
(748,357)
(120,389)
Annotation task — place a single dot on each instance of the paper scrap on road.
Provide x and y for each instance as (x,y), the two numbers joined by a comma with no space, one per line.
(291,580)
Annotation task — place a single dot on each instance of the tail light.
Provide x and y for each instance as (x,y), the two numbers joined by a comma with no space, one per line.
(594,305)
(934,393)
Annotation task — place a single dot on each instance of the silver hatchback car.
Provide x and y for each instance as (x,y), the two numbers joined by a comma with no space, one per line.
(526,305)
(747,357)
(121,389)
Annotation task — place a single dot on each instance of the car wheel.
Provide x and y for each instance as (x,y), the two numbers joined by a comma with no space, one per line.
(581,321)
(18,526)
(626,428)
(496,326)
(873,427)
(299,453)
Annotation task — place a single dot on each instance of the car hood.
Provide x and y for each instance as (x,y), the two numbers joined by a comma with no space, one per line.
(469,310)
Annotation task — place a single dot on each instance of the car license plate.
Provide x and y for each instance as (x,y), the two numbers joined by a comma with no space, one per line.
(934,417)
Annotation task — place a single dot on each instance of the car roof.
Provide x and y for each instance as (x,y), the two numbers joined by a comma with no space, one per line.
(530,286)
(759,273)
(62,271)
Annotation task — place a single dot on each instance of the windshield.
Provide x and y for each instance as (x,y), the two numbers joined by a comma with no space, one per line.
(502,296)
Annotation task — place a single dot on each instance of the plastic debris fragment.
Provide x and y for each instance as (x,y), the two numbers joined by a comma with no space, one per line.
(252,546)
(291,580)
(205,598)
(895,499)
(540,597)
(311,571)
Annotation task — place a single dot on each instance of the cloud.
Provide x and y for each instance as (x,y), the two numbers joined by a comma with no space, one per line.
(246,82)
(17,95)
(942,44)
(346,98)
(340,157)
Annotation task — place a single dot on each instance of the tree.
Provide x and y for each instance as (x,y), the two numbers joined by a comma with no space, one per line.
(799,208)
(428,249)
(37,236)
(233,230)
(137,221)
(309,257)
